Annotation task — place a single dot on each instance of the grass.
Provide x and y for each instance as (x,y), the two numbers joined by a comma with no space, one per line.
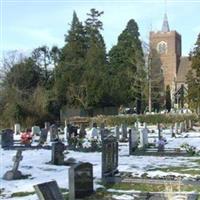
(155,187)
(182,170)
(21,194)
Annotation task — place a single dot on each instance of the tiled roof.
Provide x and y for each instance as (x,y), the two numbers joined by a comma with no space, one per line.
(184,67)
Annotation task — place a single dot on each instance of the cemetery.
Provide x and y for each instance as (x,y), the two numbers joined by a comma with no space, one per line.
(133,158)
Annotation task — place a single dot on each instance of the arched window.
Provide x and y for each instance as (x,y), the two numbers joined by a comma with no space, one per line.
(162,47)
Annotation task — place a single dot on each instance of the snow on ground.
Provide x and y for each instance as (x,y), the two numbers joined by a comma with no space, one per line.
(35,163)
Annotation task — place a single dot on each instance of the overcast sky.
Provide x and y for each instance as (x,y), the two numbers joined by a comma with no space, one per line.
(28,24)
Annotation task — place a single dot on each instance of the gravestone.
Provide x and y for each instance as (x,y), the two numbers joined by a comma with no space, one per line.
(124,131)
(7,139)
(80,180)
(14,173)
(109,159)
(102,131)
(189,124)
(117,133)
(159,131)
(57,153)
(48,191)
(172,131)
(82,132)
(17,129)
(133,140)
(53,132)
(47,125)
(181,127)
(43,136)
(176,128)
(144,138)
(35,130)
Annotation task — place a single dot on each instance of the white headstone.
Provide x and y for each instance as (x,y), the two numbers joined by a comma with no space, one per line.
(144,137)
(17,128)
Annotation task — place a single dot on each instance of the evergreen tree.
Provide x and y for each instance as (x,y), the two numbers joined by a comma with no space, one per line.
(69,72)
(168,98)
(127,66)
(95,71)
(193,78)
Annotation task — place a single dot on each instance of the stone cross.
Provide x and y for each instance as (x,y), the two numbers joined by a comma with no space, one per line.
(16,159)
(14,173)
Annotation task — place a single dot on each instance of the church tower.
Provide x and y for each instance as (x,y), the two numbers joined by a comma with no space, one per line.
(168,46)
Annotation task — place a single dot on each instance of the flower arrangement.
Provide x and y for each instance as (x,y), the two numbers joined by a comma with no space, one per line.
(84,144)
(191,150)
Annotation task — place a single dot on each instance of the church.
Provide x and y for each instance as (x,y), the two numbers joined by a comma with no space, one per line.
(174,66)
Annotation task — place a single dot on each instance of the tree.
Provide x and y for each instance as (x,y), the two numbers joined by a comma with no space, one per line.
(193,78)
(157,80)
(127,66)
(168,98)
(95,63)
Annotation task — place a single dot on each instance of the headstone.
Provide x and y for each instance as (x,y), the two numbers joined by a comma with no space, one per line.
(102,130)
(137,125)
(80,181)
(82,132)
(159,131)
(124,131)
(189,124)
(144,138)
(181,127)
(43,136)
(14,173)
(17,129)
(109,159)
(48,191)
(7,139)
(35,130)
(53,132)
(176,128)
(47,125)
(172,131)
(117,133)
(133,140)
(57,153)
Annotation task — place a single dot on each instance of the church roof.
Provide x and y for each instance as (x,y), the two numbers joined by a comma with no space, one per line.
(165,25)
(184,67)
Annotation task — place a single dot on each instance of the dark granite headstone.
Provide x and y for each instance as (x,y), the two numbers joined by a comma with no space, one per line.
(57,153)
(53,133)
(133,140)
(7,139)
(80,181)
(124,131)
(43,136)
(48,191)
(14,173)
(117,133)
(109,158)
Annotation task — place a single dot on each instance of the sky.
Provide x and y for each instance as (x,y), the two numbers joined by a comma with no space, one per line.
(28,24)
